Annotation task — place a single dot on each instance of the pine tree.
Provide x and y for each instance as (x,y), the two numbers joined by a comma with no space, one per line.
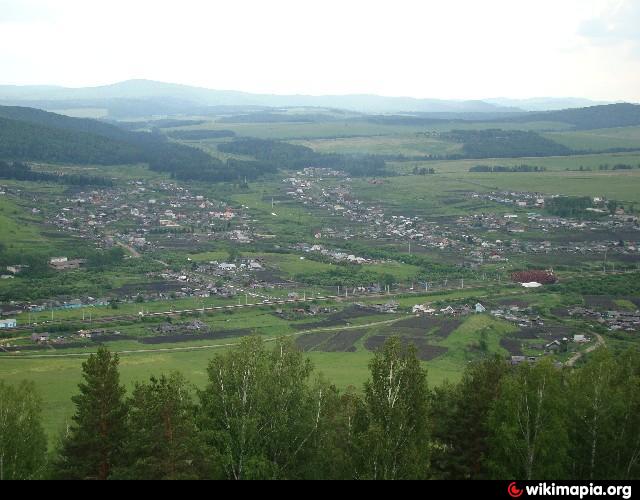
(460,416)
(93,444)
(162,440)
(23,444)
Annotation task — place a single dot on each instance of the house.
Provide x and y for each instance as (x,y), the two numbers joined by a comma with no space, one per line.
(579,338)
(227,267)
(555,346)
(16,269)
(448,310)
(423,309)
(40,337)
(480,308)
(64,264)
(8,323)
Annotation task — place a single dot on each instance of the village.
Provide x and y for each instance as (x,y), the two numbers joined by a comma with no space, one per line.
(520,233)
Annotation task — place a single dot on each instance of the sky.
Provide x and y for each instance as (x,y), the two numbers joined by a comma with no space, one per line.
(448,49)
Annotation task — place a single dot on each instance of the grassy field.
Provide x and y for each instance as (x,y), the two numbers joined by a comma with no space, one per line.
(358,128)
(57,378)
(623,137)
(407,145)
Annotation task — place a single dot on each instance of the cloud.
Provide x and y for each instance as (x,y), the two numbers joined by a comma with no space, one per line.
(618,24)
(26,11)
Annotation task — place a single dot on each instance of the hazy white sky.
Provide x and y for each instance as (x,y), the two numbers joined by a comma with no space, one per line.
(464,49)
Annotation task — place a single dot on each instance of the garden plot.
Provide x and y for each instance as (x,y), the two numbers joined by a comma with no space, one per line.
(599,302)
(331,342)
(425,351)
(423,325)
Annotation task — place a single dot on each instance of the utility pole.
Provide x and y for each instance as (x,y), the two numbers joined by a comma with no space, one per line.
(462,283)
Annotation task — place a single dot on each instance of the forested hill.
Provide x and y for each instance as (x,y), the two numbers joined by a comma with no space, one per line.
(28,141)
(594,117)
(53,120)
(32,135)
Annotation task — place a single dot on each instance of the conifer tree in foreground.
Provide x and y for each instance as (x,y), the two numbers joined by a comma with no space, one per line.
(93,444)
(162,440)
(23,444)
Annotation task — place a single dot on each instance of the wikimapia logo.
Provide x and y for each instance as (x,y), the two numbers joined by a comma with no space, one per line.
(581,491)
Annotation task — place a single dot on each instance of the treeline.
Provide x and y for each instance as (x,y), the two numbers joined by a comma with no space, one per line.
(264,117)
(292,156)
(500,168)
(164,123)
(576,206)
(23,172)
(423,171)
(198,135)
(593,117)
(568,206)
(263,414)
(613,285)
(497,143)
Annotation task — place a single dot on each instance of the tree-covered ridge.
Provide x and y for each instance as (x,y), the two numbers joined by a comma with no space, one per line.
(497,143)
(197,135)
(263,414)
(590,118)
(293,156)
(23,172)
(37,135)
(24,141)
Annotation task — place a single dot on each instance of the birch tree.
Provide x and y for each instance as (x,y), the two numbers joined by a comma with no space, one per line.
(259,413)
(391,426)
(23,444)
(529,424)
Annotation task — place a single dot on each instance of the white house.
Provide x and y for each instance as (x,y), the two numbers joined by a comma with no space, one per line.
(8,323)
(423,308)
(480,308)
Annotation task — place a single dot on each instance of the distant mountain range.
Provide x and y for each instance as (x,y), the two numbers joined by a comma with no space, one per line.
(144,98)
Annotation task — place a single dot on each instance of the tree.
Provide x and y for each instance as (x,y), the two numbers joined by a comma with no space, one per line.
(592,408)
(528,424)
(163,442)
(23,444)
(93,444)
(390,429)
(460,415)
(258,415)
(623,459)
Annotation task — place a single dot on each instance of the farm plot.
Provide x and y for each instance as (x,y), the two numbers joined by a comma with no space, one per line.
(190,337)
(513,346)
(331,342)
(425,351)
(599,302)
(423,325)
(341,318)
